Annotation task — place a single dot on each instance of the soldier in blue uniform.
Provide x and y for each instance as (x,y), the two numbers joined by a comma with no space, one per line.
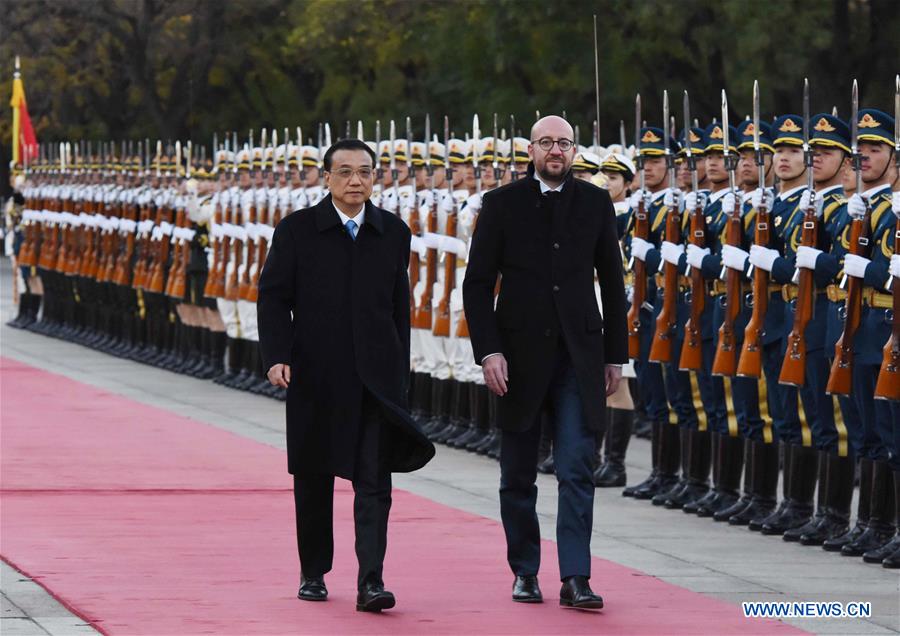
(716,402)
(875,525)
(752,398)
(792,428)
(665,440)
(838,435)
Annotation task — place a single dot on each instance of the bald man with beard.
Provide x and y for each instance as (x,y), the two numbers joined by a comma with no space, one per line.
(547,347)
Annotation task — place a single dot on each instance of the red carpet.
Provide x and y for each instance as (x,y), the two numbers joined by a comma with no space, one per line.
(145,522)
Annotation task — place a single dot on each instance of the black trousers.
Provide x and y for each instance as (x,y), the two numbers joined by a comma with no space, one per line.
(314,503)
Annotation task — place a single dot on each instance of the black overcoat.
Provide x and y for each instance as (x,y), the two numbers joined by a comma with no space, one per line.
(337,311)
(547,264)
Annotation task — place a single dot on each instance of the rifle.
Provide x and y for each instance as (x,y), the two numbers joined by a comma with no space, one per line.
(642,231)
(888,385)
(666,322)
(725,360)
(793,369)
(415,224)
(750,361)
(691,349)
(442,322)
(250,222)
(840,376)
(462,327)
(263,220)
(423,317)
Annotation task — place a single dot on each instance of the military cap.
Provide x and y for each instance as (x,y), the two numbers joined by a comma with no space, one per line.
(586,160)
(653,143)
(787,130)
(714,137)
(618,162)
(242,158)
(829,131)
(875,125)
(309,155)
(503,147)
(696,136)
(485,149)
(520,150)
(458,150)
(417,148)
(745,136)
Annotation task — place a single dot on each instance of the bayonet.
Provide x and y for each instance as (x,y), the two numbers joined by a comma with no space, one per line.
(807,150)
(637,140)
(395,174)
(726,146)
(495,164)
(513,175)
(688,147)
(670,158)
(596,80)
(359,131)
(476,135)
(897,122)
(379,173)
(622,135)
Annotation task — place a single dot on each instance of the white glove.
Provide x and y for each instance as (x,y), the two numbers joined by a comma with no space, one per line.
(672,252)
(695,255)
(734,257)
(728,203)
(855,265)
(690,201)
(856,207)
(895,260)
(639,248)
(635,200)
(895,203)
(672,198)
(806,257)
(762,197)
(763,257)
(817,201)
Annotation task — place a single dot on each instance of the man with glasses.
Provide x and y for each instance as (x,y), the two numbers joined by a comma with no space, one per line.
(546,346)
(334,331)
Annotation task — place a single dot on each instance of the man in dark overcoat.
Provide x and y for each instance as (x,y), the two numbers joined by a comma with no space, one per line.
(333,315)
(546,345)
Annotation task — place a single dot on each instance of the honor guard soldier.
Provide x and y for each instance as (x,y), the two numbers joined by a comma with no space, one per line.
(876,523)
(665,437)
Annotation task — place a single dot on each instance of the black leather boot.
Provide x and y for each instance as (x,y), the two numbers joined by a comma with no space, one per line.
(691,507)
(699,460)
(493,448)
(881,527)
(793,535)
(802,486)
(668,463)
(440,401)
(630,491)
(866,467)
(478,395)
(756,523)
(684,454)
(763,483)
(611,473)
(727,488)
(738,506)
(879,555)
(838,496)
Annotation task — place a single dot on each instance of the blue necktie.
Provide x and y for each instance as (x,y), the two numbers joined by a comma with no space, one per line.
(352,228)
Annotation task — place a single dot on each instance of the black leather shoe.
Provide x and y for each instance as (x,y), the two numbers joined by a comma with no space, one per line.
(527,590)
(576,593)
(313,589)
(373,597)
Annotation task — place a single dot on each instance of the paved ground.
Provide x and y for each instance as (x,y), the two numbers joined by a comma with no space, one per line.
(732,564)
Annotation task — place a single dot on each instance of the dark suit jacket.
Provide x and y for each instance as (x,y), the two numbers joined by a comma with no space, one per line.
(547,262)
(337,311)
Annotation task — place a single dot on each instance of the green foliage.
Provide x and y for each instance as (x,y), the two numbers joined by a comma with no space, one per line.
(145,68)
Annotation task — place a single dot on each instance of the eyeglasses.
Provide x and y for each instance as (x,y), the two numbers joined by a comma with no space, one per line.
(546,144)
(346,173)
